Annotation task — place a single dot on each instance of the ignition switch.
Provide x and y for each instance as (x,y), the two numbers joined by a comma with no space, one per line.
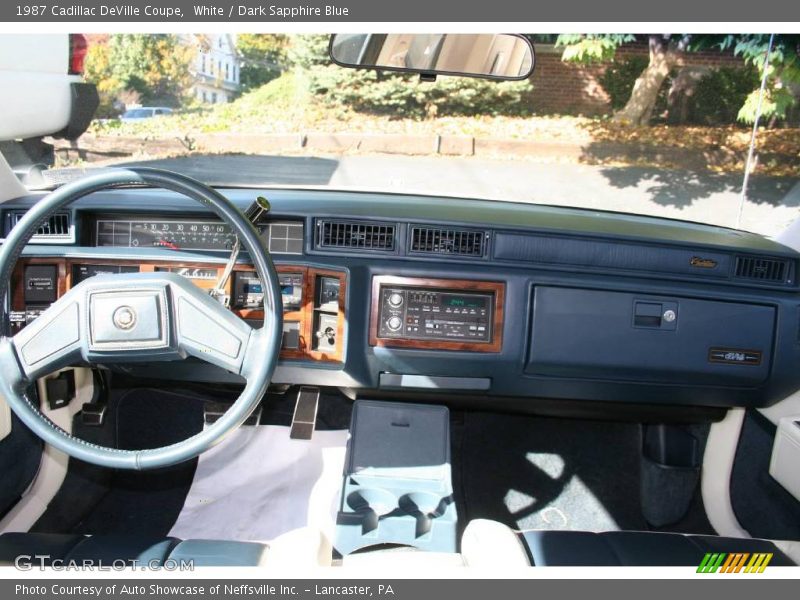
(329,334)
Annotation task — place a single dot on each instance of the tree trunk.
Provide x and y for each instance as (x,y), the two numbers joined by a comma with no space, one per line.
(639,108)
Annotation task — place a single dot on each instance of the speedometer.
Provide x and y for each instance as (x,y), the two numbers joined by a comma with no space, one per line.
(173,234)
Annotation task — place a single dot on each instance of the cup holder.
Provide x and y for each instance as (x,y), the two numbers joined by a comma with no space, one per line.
(424,507)
(371,504)
(378,501)
(421,502)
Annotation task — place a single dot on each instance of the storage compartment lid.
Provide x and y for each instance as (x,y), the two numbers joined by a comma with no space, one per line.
(605,335)
(399,440)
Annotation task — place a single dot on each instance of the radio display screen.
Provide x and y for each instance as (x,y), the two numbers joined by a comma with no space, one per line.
(463,301)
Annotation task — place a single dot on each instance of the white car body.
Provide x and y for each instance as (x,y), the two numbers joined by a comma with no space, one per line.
(35,85)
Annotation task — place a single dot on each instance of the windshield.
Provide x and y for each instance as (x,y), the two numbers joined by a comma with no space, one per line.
(655,125)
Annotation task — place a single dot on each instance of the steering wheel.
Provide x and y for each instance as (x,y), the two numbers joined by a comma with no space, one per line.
(138,317)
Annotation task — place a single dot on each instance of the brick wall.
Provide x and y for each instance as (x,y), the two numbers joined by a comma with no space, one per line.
(569,88)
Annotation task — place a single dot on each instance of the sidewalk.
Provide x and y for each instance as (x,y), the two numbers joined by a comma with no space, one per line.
(92,148)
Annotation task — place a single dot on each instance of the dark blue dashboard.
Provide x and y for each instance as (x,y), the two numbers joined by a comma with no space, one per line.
(591,306)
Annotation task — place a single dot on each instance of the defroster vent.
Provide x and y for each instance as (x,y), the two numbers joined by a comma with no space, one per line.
(457,242)
(762,269)
(355,235)
(56,226)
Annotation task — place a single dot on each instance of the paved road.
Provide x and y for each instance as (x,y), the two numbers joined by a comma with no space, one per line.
(772,203)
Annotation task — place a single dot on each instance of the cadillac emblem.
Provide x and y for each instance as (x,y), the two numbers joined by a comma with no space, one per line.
(703,263)
(124,318)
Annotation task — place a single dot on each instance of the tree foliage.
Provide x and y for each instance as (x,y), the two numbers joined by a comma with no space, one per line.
(782,70)
(620,77)
(263,57)
(783,66)
(591,47)
(155,66)
(97,69)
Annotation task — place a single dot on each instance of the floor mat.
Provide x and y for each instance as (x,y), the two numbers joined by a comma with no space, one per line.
(259,484)
(96,500)
(546,473)
(764,508)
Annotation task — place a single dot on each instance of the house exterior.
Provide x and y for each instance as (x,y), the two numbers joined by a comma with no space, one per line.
(216,67)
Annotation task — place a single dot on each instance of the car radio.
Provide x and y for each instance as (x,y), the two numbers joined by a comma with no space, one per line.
(439,313)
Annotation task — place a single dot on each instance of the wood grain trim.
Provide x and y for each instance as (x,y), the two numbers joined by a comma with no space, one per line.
(495,287)
(18,290)
(304,316)
(341,321)
(299,316)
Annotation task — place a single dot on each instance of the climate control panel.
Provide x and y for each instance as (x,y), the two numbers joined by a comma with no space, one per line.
(456,314)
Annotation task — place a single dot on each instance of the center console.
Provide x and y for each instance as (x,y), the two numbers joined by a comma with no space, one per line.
(397,486)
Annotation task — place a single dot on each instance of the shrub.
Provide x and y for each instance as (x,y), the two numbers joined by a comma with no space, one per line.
(404,95)
(619,77)
(720,95)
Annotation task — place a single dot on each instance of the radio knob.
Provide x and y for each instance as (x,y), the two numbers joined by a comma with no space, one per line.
(395,299)
(394,323)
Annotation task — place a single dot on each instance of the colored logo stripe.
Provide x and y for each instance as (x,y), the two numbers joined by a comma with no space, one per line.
(711,562)
(758,563)
(734,562)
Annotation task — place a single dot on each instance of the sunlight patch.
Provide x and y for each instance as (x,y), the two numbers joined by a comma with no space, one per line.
(552,464)
(517,501)
(576,508)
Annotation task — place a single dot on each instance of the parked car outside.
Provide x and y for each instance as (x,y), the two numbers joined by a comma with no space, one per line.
(144,112)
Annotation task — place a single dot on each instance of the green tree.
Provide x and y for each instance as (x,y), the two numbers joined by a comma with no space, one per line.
(309,50)
(783,70)
(665,52)
(157,66)
(263,58)
(97,69)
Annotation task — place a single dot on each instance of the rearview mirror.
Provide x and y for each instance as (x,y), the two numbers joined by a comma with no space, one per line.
(492,56)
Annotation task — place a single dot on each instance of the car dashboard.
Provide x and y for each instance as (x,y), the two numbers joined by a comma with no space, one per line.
(407,294)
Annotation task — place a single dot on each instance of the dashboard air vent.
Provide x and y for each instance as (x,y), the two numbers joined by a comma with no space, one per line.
(356,235)
(762,269)
(57,226)
(435,240)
